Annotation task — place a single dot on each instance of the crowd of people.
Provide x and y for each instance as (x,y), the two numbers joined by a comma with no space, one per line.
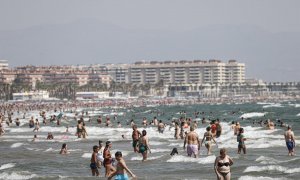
(184,128)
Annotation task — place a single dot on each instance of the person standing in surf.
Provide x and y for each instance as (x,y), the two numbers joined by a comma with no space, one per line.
(120,173)
(207,137)
(144,145)
(222,165)
(135,138)
(290,141)
(193,143)
(109,169)
(177,130)
(241,140)
(94,160)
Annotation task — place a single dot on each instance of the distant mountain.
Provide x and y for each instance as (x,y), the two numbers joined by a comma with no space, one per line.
(272,57)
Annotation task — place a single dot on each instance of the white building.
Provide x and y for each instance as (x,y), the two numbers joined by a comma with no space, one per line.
(92,95)
(197,71)
(3,65)
(31,95)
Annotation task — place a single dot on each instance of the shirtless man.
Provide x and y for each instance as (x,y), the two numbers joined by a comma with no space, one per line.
(290,141)
(192,139)
(135,138)
(94,160)
(144,145)
(207,138)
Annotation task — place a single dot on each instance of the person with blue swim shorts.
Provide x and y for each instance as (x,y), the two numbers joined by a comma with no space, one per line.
(121,168)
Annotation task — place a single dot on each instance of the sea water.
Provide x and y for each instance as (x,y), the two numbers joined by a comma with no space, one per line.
(266,157)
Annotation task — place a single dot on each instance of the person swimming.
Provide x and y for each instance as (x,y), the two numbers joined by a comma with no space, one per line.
(64,149)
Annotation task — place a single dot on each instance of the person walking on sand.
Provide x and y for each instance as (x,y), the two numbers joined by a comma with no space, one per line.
(222,165)
(94,160)
(144,145)
(121,169)
(193,143)
(290,141)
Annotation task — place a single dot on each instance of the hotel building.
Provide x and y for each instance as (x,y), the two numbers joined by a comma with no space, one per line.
(197,71)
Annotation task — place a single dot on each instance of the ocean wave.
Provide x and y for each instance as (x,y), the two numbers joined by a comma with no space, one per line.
(7,166)
(263,103)
(15,145)
(298,114)
(277,168)
(259,178)
(17,175)
(87,155)
(141,158)
(160,150)
(269,160)
(205,160)
(252,114)
(272,105)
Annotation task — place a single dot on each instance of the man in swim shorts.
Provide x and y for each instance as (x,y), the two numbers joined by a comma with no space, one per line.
(135,138)
(290,140)
(94,160)
(192,139)
(144,145)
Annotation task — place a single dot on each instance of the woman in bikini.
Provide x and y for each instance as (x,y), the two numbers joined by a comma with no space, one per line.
(121,169)
(207,138)
(222,165)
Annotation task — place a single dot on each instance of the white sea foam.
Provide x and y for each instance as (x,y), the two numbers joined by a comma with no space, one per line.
(15,145)
(155,143)
(263,103)
(160,150)
(269,160)
(298,114)
(259,178)
(272,105)
(277,168)
(50,150)
(87,155)
(149,158)
(252,114)
(204,160)
(7,166)
(17,175)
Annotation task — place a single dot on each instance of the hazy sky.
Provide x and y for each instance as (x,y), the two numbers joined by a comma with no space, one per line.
(264,34)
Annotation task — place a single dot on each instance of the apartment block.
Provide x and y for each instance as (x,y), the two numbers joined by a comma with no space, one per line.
(197,71)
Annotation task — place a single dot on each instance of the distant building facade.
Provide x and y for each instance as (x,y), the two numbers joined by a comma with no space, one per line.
(197,71)
(3,65)
(170,72)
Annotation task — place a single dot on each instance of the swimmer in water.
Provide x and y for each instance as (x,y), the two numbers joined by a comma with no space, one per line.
(64,149)
(135,138)
(144,145)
